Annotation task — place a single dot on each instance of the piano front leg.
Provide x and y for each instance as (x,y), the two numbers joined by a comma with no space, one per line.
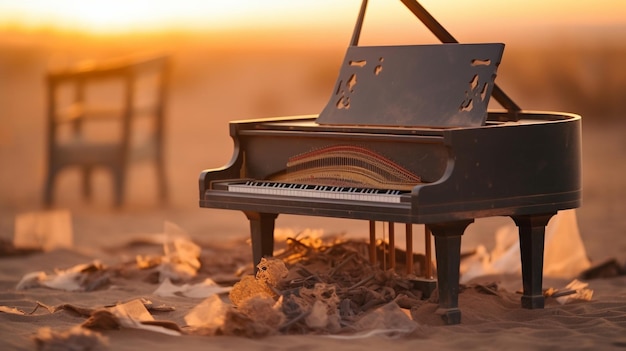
(532,230)
(448,255)
(261,234)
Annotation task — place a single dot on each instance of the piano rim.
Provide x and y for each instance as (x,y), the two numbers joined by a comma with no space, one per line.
(401,212)
(495,119)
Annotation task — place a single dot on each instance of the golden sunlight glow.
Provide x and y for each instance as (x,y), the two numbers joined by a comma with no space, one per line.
(129,15)
(115,16)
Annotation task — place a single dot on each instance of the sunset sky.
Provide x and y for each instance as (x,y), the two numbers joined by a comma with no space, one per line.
(105,17)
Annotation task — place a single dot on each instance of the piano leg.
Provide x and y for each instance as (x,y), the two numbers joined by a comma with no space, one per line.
(372,242)
(261,234)
(428,262)
(409,248)
(392,245)
(448,255)
(531,239)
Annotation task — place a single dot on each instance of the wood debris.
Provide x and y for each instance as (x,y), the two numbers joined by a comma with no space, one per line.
(320,288)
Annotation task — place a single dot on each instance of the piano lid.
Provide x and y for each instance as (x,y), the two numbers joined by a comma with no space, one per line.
(441,85)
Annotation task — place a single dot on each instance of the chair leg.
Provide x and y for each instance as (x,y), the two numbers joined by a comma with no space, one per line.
(161,180)
(118,186)
(48,197)
(87,172)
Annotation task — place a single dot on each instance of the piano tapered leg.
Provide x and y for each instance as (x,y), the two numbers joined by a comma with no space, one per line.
(448,252)
(261,234)
(531,239)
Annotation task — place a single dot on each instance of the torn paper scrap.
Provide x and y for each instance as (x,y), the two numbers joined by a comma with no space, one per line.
(133,314)
(47,230)
(10,310)
(574,291)
(208,315)
(565,254)
(181,257)
(76,338)
(82,277)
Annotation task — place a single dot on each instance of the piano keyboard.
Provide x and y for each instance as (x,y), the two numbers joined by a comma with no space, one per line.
(317,191)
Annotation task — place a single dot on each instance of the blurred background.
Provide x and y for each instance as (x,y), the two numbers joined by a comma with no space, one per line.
(249,59)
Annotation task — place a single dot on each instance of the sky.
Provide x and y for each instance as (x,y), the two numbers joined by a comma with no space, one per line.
(325,21)
(108,16)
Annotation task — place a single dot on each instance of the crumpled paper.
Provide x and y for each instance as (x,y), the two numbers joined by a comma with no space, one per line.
(76,338)
(181,257)
(565,254)
(82,277)
(269,274)
(255,310)
(209,315)
(388,320)
(322,302)
(11,310)
(576,290)
(46,230)
(132,314)
(257,316)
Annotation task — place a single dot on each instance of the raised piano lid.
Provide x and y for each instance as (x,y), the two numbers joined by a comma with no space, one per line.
(443,86)
(440,85)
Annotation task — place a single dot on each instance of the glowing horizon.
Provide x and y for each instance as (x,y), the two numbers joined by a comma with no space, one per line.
(125,16)
(116,16)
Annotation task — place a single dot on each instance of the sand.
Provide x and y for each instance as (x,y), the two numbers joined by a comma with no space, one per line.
(489,320)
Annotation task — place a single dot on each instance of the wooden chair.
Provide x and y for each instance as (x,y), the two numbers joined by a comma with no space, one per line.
(95,113)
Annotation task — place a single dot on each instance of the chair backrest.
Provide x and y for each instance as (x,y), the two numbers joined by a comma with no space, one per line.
(122,85)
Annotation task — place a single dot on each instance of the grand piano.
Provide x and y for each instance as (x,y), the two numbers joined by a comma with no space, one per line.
(406,138)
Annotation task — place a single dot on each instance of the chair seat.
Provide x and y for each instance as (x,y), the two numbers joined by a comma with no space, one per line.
(88,154)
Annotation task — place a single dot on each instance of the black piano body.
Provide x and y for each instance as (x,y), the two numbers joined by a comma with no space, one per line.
(500,169)
(417,113)
(527,170)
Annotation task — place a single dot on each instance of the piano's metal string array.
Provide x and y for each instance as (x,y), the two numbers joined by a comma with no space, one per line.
(426,271)
(347,165)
